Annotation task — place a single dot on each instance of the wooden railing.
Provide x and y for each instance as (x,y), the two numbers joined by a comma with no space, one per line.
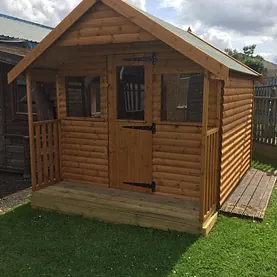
(47,154)
(211,185)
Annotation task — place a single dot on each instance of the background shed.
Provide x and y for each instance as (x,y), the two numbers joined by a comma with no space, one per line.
(17,38)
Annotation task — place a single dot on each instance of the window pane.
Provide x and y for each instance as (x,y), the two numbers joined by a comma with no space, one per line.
(130,92)
(21,96)
(182,97)
(83,96)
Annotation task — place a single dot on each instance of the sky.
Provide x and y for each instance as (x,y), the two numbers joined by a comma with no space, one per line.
(224,23)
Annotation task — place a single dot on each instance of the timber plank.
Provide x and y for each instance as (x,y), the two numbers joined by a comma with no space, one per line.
(251,197)
(231,202)
(266,197)
(119,206)
(247,195)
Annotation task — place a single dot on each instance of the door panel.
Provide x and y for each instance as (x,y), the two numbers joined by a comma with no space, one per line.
(130,105)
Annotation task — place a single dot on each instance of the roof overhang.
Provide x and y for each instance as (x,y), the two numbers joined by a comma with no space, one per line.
(206,61)
(10,58)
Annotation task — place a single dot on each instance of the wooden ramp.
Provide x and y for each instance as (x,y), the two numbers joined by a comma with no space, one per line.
(119,206)
(251,196)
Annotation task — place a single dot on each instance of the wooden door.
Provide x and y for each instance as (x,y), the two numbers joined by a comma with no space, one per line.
(130,125)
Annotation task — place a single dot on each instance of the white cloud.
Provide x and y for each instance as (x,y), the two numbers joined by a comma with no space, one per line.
(245,17)
(138,3)
(272,57)
(218,38)
(48,12)
(231,24)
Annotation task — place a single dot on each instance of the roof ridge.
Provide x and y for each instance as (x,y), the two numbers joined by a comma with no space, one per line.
(25,21)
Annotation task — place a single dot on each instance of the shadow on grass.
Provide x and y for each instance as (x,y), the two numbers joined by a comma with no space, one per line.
(34,243)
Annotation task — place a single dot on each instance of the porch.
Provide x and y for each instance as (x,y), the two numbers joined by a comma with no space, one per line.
(51,191)
(168,152)
(121,207)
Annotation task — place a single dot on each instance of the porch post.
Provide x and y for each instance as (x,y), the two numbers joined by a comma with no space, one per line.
(31,128)
(205,120)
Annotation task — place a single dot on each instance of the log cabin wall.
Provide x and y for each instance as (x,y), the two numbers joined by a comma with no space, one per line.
(236,128)
(84,141)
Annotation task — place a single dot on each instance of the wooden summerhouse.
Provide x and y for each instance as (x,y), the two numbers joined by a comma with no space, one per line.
(153,124)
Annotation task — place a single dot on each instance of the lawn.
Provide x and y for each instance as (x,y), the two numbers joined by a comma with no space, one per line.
(35,244)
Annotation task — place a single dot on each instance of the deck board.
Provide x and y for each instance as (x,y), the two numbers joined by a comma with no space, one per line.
(118,206)
(251,197)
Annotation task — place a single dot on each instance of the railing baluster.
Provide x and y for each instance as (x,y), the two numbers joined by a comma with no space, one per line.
(38,155)
(47,153)
(50,148)
(45,158)
(57,152)
(211,177)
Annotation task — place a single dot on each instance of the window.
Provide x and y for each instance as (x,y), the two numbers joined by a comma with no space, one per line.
(130,92)
(21,105)
(83,96)
(182,97)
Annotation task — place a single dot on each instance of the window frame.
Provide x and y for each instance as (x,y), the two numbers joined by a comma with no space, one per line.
(169,122)
(17,115)
(101,117)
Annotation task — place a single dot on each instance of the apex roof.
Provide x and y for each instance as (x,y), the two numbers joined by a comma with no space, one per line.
(187,43)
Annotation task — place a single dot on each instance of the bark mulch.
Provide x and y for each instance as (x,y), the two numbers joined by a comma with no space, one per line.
(14,190)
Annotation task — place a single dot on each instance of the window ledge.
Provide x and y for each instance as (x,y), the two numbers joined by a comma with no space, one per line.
(197,124)
(96,118)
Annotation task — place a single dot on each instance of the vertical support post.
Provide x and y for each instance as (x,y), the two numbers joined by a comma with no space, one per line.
(60,86)
(31,129)
(218,103)
(219,111)
(205,119)
(252,124)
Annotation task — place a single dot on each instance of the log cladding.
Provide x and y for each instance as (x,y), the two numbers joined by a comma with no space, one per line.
(176,161)
(176,147)
(236,133)
(84,142)
(103,25)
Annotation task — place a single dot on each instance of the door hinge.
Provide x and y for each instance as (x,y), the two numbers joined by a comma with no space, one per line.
(151,128)
(152,59)
(151,186)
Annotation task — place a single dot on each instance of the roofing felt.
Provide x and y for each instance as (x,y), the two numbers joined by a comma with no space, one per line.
(17,28)
(202,45)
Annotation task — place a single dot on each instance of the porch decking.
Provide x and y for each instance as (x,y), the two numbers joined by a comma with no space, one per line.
(118,206)
(251,196)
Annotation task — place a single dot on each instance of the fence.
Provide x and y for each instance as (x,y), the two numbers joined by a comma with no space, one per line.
(211,170)
(265,112)
(47,153)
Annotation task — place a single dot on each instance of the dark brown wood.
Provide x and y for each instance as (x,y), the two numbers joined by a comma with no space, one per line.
(251,197)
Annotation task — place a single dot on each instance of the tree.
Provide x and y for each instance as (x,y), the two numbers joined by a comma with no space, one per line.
(248,57)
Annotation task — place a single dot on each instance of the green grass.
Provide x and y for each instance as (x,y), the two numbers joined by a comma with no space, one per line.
(264,166)
(36,244)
